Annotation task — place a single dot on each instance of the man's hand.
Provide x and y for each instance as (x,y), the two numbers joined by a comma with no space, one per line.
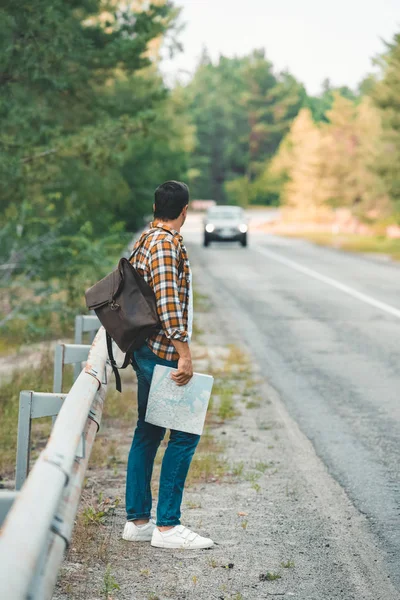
(185,371)
(185,368)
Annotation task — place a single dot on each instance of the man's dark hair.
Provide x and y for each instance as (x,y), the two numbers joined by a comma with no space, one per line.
(170,198)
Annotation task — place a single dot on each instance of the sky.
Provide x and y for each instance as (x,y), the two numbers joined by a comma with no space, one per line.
(313,39)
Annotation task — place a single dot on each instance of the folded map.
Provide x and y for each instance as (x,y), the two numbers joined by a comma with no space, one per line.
(177,407)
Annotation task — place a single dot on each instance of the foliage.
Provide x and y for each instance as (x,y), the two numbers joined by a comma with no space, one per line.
(331,163)
(241,110)
(88,131)
(386,96)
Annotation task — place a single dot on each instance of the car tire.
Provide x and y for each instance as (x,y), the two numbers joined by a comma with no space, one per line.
(206,242)
(243,241)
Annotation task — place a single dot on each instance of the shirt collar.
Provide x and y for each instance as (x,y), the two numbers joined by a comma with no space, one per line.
(166,228)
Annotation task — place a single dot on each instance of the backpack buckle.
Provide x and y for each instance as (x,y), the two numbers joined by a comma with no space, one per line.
(114,305)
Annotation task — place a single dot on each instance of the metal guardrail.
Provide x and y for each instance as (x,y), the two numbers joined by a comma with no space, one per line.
(40,518)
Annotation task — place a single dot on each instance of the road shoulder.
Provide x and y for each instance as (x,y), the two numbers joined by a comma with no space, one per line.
(282,526)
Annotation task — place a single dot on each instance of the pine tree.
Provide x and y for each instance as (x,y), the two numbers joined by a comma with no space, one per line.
(386,95)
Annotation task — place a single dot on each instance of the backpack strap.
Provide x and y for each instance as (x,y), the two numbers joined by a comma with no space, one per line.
(181,261)
(114,365)
(109,340)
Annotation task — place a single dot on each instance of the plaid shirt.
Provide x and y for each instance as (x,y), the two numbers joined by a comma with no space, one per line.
(162,260)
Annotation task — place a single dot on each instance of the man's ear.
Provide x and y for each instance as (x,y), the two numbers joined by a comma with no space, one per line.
(154,208)
(185,209)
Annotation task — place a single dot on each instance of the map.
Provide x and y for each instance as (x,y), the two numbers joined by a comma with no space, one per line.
(182,408)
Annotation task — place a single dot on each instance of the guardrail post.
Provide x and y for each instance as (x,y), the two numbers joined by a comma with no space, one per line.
(24,438)
(32,405)
(78,340)
(85,324)
(58,368)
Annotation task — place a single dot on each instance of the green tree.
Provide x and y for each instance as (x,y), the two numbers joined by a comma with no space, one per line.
(241,110)
(386,95)
(88,127)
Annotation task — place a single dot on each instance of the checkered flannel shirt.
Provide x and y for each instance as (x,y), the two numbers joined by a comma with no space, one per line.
(161,259)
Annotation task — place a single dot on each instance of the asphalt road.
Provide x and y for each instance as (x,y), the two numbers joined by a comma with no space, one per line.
(325,329)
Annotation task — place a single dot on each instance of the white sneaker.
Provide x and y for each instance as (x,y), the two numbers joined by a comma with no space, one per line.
(143,533)
(179,537)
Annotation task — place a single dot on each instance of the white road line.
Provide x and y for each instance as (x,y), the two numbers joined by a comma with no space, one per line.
(391,310)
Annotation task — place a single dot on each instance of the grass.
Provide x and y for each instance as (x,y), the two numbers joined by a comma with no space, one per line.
(206,468)
(237,470)
(252,404)
(39,379)
(104,452)
(122,407)
(226,408)
(252,477)
(270,576)
(193,505)
(224,391)
(289,564)
(201,302)
(109,583)
(96,512)
(262,466)
(354,243)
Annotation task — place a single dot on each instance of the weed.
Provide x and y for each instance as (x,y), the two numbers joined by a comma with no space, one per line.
(226,408)
(269,576)
(256,486)
(192,505)
(104,453)
(96,513)
(213,563)
(206,467)
(109,583)
(263,426)
(237,470)
(208,443)
(262,466)
(121,406)
(195,579)
(289,564)
(153,597)
(253,438)
(270,447)
(243,524)
(252,477)
(252,404)
(145,572)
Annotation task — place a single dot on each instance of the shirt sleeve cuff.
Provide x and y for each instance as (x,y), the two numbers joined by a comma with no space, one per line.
(177,334)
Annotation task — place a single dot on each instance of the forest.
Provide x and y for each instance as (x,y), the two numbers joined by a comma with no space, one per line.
(90,128)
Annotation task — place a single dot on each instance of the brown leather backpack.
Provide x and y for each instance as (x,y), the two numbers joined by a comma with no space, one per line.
(126,307)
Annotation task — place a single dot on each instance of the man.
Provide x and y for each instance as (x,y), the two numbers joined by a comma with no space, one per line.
(162,260)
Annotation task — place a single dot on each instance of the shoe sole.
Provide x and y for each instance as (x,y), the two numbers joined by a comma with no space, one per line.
(180,547)
(136,539)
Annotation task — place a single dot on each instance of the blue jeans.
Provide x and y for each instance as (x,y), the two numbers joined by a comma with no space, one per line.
(147,438)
